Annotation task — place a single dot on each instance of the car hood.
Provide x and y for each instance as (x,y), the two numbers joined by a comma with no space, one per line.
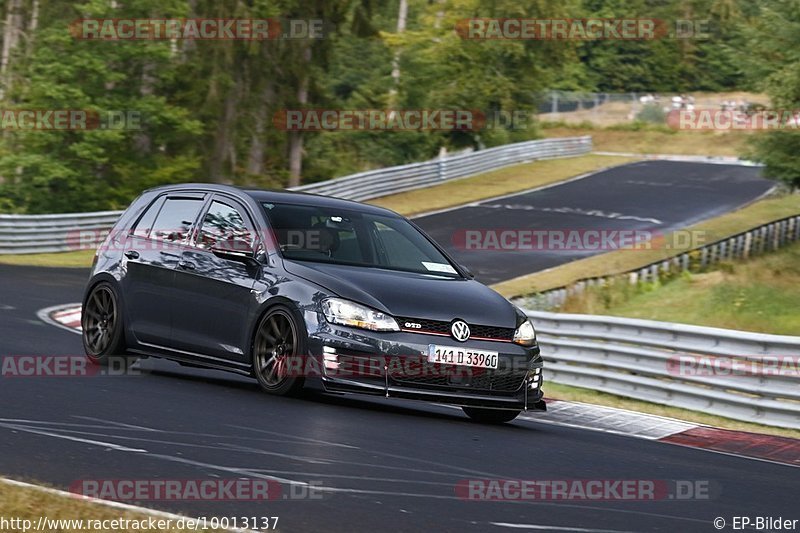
(411,295)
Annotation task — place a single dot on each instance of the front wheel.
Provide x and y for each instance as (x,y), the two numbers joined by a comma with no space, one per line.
(490,416)
(277,339)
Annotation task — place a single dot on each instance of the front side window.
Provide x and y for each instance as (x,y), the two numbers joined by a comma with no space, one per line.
(223,226)
(176,219)
(341,236)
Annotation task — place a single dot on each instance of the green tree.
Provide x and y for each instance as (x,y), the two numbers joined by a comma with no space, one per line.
(85,169)
(773,61)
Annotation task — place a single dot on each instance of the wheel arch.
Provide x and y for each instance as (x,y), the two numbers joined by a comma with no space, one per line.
(264,309)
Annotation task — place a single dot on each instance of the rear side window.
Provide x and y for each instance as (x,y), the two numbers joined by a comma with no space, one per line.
(145,224)
(175,219)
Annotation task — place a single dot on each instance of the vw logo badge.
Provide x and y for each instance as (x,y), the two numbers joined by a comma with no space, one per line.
(459,330)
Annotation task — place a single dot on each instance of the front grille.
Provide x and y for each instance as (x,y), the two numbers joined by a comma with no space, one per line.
(440,327)
(463,378)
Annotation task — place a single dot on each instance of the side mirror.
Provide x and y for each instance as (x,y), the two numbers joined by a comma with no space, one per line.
(234,250)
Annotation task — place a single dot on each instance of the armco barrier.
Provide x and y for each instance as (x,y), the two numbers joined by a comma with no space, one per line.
(641,359)
(27,234)
(391,180)
(57,233)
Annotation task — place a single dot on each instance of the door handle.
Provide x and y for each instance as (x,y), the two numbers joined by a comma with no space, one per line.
(132,254)
(186,264)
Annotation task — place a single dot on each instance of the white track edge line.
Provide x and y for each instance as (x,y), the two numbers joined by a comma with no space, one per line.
(105,503)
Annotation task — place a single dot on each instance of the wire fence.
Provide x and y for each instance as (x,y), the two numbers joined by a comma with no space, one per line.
(764,238)
(607,109)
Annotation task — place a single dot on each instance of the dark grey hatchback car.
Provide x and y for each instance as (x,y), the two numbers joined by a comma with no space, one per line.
(293,288)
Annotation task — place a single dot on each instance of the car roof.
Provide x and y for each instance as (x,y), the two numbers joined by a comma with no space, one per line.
(279,196)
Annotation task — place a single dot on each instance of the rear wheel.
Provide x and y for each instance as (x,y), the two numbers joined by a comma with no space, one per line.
(102,325)
(277,339)
(490,416)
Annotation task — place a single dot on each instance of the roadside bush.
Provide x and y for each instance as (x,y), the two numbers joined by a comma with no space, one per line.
(652,113)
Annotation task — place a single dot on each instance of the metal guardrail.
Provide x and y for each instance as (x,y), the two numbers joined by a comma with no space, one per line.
(717,371)
(59,233)
(391,180)
(26,234)
(767,237)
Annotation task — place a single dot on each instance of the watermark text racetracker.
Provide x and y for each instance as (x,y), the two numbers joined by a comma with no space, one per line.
(63,366)
(724,366)
(566,240)
(732,119)
(237,29)
(69,119)
(208,489)
(588,29)
(600,490)
(379,120)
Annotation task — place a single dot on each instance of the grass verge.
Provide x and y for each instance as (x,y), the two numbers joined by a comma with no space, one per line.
(76,259)
(619,261)
(579,394)
(27,503)
(760,294)
(658,140)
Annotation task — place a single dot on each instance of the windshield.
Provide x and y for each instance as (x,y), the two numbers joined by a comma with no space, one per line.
(345,237)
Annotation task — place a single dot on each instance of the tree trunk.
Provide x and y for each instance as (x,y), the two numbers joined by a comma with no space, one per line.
(255,158)
(34,22)
(11,33)
(296,137)
(402,15)
(222,139)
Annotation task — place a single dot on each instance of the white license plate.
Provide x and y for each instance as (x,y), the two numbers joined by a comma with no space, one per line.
(459,355)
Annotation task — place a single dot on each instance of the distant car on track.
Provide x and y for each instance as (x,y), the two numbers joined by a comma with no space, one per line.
(291,288)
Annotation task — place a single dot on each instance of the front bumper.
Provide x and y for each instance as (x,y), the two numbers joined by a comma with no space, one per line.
(378,363)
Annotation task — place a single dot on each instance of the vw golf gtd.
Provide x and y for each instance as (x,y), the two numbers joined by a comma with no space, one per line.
(293,288)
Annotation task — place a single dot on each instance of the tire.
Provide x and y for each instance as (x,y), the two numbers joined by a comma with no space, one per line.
(490,416)
(277,337)
(102,324)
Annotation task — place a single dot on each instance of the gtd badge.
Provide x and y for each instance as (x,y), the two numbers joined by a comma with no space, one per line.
(459,330)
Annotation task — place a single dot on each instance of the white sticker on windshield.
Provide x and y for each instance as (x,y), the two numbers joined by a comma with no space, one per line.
(439,267)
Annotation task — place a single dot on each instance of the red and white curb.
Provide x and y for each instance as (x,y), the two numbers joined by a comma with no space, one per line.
(771,448)
(65,316)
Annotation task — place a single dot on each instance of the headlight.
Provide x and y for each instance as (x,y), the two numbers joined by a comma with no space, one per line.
(346,313)
(525,334)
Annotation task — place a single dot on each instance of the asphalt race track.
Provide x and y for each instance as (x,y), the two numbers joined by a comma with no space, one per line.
(657,196)
(380,464)
(384,465)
